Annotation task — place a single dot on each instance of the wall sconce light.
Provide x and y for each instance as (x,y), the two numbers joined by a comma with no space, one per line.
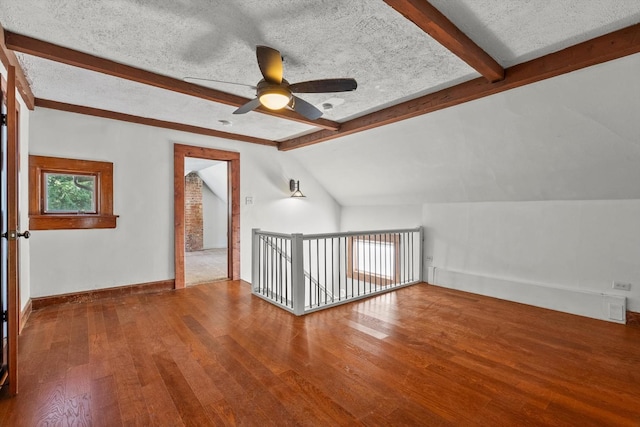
(294,186)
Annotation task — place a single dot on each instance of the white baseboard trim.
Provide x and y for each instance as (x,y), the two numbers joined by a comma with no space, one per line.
(596,305)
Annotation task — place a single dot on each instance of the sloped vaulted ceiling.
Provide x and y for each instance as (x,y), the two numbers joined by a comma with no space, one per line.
(570,137)
(574,137)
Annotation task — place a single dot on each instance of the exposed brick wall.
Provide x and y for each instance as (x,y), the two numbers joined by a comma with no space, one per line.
(193,213)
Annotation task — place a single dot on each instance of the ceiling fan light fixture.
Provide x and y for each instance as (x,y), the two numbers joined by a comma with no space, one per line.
(275,98)
(275,93)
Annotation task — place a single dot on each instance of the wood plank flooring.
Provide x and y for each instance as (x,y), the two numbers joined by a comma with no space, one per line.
(214,355)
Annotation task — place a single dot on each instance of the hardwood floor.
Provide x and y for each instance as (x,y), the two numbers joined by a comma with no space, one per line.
(214,355)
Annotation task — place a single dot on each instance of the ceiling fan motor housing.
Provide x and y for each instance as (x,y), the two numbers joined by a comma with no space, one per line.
(274,95)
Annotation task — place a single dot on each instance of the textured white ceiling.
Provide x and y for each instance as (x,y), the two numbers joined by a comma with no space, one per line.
(391,58)
(571,137)
(513,32)
(73,85)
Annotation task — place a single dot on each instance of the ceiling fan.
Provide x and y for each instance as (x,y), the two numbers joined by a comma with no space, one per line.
(275,93)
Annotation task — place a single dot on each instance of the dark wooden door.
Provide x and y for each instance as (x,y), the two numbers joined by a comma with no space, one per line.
(4,278)
(10,234)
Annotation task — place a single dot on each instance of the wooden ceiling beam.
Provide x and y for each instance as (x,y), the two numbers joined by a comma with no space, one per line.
(595,51)
(96,112)
(8,58)
(50,51)
(441,29)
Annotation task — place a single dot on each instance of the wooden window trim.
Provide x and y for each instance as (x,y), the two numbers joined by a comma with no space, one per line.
(103,171)
(352,260)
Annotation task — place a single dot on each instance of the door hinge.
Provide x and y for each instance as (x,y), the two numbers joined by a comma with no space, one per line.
(3,119)
(10,235)
(5,316)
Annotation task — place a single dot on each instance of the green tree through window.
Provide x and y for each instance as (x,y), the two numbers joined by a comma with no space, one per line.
(70,193)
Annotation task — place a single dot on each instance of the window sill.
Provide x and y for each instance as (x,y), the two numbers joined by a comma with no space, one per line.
(71,222)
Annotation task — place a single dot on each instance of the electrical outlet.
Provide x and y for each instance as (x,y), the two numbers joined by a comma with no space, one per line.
(621,286)
(248,200)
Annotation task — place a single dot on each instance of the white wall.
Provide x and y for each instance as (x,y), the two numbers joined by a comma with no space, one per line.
(215,207)
(25,260)
(576,245)
(363,218)
(140,249)
(216,178)
(538,187)
(556,254)
(215,217)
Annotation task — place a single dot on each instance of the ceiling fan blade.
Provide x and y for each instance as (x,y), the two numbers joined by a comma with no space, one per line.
(198,79)
(325,85)
(304,108)
(270,63)
(249,106)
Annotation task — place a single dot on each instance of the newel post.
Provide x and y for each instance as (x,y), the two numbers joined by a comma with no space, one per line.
(255,259)
(297,273)
(421,278)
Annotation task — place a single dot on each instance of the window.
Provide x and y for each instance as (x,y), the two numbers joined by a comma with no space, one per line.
(374,258)
(69,194)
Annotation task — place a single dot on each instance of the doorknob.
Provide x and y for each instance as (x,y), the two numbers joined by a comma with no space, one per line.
(13,235)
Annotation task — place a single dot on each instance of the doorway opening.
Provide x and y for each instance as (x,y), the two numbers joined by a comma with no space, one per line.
(207,217)
(206,220)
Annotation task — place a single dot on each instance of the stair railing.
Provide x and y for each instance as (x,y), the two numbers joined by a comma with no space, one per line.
(305,273)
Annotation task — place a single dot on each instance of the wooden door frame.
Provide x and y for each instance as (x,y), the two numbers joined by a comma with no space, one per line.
(233,187)
(13,223)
